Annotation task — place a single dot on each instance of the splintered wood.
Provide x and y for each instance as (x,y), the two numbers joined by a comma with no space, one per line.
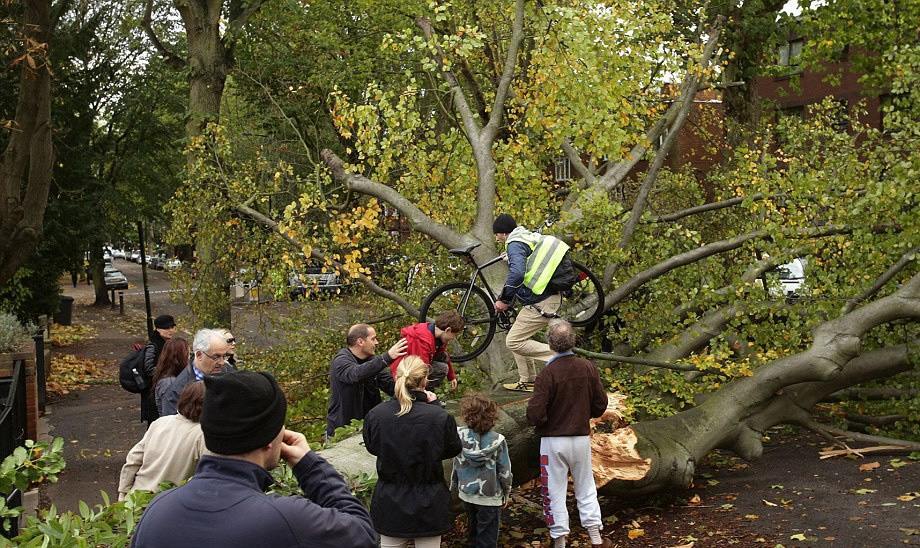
(613,446)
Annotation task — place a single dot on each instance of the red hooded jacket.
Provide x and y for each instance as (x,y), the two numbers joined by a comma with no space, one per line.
(422,343)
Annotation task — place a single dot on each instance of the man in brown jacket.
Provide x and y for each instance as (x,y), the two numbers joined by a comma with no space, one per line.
(567,394)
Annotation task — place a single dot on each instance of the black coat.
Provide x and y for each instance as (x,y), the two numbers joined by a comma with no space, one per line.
(411,498)
(151,355)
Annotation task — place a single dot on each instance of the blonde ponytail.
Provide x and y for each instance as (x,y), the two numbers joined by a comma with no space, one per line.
(410,375)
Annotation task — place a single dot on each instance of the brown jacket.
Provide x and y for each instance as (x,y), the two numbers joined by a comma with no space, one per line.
(566,395)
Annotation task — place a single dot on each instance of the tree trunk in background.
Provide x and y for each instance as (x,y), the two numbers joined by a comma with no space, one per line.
(25,169)
(96,266)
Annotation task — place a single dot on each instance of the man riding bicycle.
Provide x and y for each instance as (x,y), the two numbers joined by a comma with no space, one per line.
(539,271)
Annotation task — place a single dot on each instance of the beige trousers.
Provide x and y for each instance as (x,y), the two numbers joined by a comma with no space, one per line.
(525,350)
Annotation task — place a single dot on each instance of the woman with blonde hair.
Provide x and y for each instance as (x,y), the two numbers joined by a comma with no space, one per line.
(410,438)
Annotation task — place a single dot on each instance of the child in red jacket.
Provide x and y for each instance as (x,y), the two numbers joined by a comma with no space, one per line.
(428,340)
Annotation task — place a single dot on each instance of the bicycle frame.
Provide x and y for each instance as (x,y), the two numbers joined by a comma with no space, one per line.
(502,317)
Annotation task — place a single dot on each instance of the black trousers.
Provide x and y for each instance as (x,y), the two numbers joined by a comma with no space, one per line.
(483,525)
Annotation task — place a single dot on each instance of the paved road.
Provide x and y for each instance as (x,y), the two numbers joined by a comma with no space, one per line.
(100,424)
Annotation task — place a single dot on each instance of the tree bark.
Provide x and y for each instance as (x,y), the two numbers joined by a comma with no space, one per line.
(28,158)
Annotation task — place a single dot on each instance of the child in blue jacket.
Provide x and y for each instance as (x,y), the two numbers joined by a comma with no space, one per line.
(482,471)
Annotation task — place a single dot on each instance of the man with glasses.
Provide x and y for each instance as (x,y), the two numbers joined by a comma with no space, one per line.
(211,350)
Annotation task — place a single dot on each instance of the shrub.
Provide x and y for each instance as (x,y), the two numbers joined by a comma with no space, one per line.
(13,334)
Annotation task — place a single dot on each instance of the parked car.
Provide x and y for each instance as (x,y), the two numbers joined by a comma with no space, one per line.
(315,280)
(135,257)
(114,279)
(118,253)
(156,262)
(172,264)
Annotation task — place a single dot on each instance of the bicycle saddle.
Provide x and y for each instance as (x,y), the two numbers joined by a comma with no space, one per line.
(463,251)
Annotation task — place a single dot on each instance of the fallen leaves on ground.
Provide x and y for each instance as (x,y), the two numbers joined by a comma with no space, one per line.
(635,533)
(69,372)
(868,466)
(907,497)
(66,335)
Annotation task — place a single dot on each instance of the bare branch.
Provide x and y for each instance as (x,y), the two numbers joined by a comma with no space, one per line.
(575,159)
(635,361)
(240,13)
(686,102)
(316,254)
(905,260)
(470,125)
(501,92)
(713,206)
(418,220)
(171,59)
(855,436)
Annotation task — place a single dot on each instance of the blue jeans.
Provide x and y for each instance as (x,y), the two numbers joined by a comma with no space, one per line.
(482,525)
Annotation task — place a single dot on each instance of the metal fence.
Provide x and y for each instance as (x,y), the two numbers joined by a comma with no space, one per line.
(13,427)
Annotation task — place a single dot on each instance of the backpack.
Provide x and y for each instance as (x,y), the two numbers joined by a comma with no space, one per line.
(131,371)
(563,278)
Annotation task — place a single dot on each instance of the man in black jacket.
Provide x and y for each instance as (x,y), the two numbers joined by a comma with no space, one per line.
(164,327)
(567,394)
(224,503)
(357,376)
(212,349)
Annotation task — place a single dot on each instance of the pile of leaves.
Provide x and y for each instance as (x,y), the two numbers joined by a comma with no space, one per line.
(69,373)
(66,335)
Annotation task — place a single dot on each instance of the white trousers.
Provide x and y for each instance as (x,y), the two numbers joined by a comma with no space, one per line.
(560,456)
(421,542)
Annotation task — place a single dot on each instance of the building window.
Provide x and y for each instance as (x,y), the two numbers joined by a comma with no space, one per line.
(791,52)
(563,169)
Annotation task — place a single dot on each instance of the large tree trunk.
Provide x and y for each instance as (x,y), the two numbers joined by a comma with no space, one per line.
(28,157)
(664,452)
(209,61)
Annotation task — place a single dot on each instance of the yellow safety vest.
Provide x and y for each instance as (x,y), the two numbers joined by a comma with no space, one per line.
(546,254)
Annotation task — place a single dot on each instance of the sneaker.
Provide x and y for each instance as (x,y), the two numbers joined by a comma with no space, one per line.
(519,386)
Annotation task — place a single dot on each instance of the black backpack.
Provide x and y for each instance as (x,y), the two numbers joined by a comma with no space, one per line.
(131,372)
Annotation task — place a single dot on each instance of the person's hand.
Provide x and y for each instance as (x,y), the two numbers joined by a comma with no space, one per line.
(430,395)
(398,349)
(501,306)
(293,447)
(453,383)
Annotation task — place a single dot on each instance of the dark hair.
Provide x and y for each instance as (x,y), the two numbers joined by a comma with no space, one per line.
(191,400)
(357,331)
(173,359)
(478,412)
(561,336)
(451,319)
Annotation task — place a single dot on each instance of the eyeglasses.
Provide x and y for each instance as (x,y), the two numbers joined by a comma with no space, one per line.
(231,340)
(217,357)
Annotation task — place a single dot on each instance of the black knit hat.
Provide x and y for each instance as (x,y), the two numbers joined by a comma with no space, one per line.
(164,321)
(503,224)
(242,411)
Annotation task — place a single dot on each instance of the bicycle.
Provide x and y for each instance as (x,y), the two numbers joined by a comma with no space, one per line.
(581,306)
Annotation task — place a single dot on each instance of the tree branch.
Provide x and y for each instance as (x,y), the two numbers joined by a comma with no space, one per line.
(170,58)
(575,159)
(316,254)
(239,16)
(905,260)
(501,92)
(418,220)
(855,436)
(686,102)
(636,361)
(703,208)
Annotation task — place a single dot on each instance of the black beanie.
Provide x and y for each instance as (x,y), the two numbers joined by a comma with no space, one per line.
(503,224)
(164,321)
(242,411)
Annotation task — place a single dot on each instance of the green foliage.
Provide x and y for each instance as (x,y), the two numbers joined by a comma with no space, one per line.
(29,465)
(355,426)
(107,524)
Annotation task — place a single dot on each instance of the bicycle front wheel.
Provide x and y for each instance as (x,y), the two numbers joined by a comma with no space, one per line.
(583,305)
(477,311)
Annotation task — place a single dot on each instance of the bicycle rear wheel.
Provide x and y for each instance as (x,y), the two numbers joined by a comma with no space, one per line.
(584,303)
(478,312)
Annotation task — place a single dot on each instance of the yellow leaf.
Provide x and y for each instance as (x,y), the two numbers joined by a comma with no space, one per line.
(635,533)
